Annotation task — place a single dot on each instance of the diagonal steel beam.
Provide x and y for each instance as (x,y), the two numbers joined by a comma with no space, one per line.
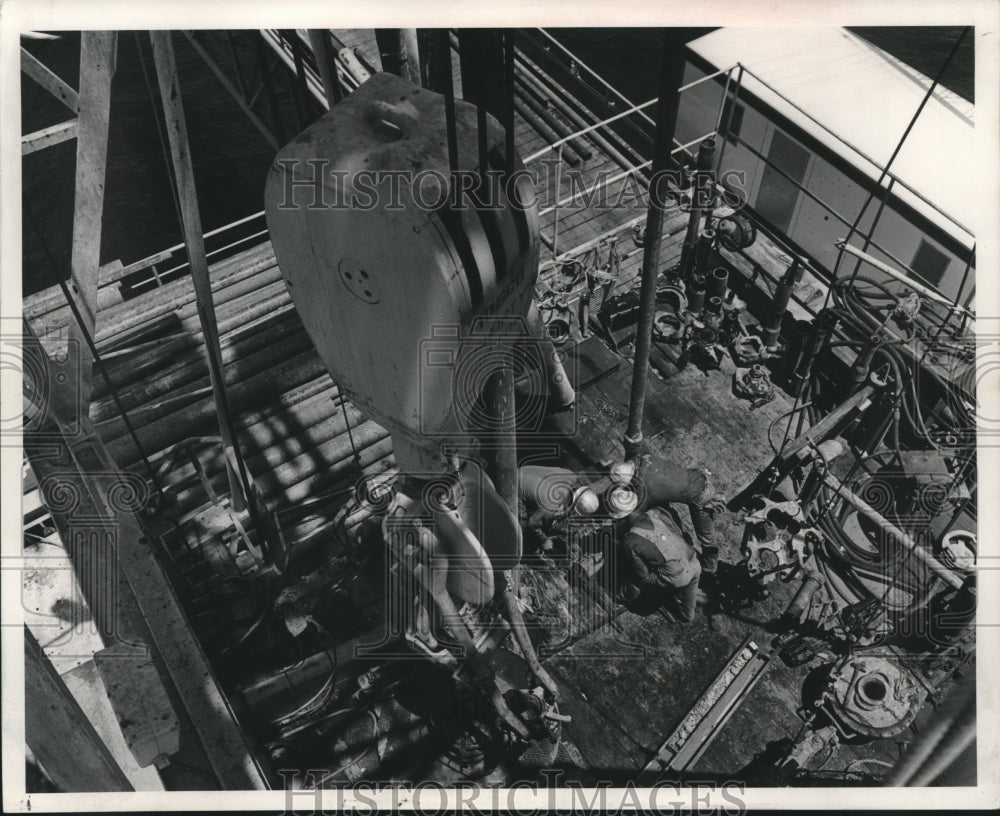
(232,90)
(47,137)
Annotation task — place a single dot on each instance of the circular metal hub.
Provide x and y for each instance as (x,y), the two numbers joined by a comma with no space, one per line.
(872,696)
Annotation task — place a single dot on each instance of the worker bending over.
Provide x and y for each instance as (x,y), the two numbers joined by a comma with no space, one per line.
(659,567)
(548,496)
(661,482)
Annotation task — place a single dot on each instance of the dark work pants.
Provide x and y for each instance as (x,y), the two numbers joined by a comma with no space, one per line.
(680,603)
(663,482)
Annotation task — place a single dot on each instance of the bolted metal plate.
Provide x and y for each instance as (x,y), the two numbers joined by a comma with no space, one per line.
(359,281)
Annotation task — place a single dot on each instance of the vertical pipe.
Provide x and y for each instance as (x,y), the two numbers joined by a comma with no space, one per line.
(399,52)
(671,77)
(826,322)
(327,69)
(434,50)
(555,208)
(508,99)
(173,110)
(696,294)
(718,282)
(699,203)
(500,398)
(443,50)
(500,395)
(779,305)
(704,251)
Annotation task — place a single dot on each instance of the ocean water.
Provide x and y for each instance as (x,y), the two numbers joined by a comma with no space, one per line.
(231,159)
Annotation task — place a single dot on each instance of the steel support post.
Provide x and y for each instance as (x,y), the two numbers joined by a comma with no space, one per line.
(399,52)
(434,48)
(671,77)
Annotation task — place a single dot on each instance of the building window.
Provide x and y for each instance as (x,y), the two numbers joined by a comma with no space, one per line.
(732,133)
(929,262)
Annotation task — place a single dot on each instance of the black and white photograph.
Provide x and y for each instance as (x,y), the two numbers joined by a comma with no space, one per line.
(457,408)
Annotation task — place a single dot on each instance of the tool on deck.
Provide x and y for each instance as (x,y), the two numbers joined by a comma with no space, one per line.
(702,724)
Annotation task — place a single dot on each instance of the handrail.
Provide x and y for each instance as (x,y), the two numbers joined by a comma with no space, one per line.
(597,183)
(915,285)
(618,177)
(593,73)
(586,130)
(151,260)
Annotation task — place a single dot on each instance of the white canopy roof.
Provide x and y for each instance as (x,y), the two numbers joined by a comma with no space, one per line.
(866,98)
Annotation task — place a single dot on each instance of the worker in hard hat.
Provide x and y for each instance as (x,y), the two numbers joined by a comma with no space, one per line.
(661,482)
(549,496)
(658,568)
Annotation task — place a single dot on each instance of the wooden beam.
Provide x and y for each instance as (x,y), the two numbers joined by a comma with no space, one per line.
(97,61)
(59,733)
(801,445)
(47,137)
(48,80)
(232,90)
(194,239)
(139,606)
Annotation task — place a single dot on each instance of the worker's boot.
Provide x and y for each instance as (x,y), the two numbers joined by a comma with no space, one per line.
(708,557)
(627,594)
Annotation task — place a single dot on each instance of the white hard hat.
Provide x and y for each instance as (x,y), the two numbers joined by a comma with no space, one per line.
(585,501)
(621,502)
(622,472)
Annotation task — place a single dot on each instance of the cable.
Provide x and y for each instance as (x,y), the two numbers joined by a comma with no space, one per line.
(793,410)
(91,345)
(159,131)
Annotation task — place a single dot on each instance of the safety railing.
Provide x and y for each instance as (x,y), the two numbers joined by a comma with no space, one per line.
(557,208)
(732,88)
(172,262)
